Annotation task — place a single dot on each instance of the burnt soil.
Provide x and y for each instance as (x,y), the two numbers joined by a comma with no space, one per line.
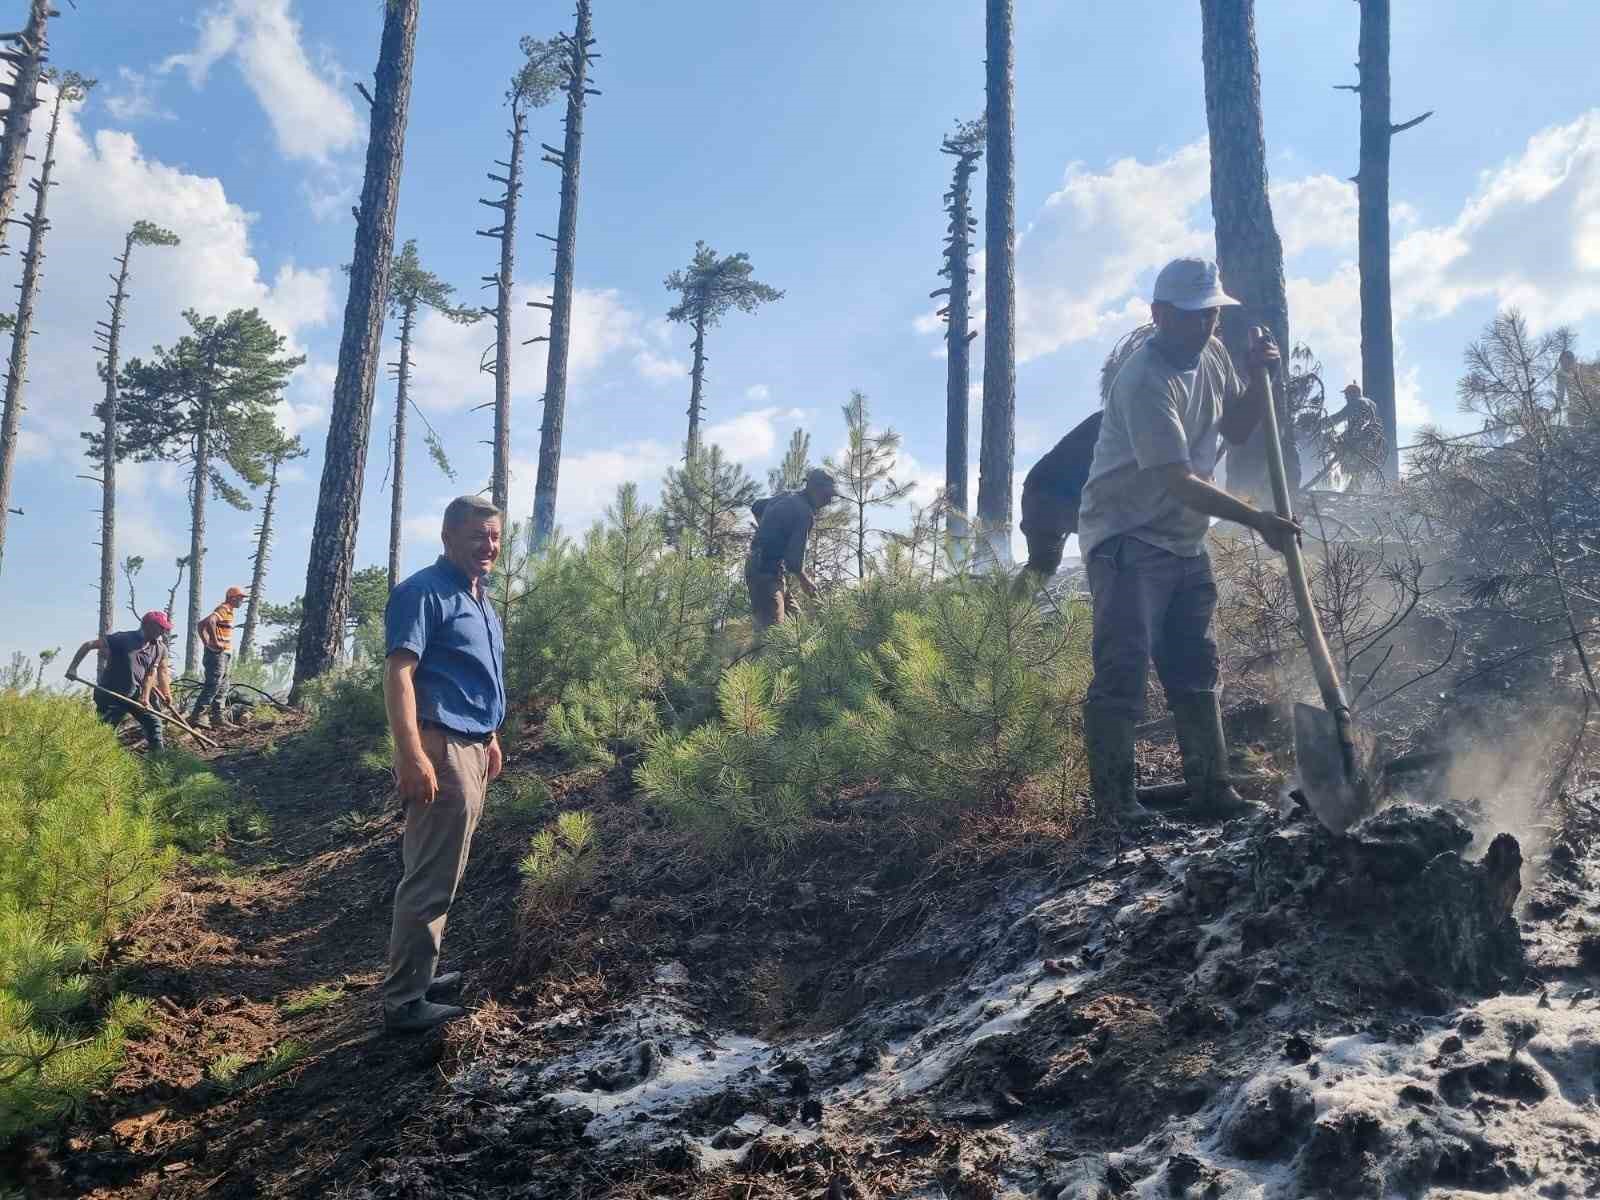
(822,946)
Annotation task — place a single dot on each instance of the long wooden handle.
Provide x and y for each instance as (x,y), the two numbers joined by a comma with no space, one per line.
(173,717)
(1333,697)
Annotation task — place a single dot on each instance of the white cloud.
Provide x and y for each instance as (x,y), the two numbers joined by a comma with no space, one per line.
(1318,211)
(310,114)
(758,393)
(752,437)
(134,98)
(106,183)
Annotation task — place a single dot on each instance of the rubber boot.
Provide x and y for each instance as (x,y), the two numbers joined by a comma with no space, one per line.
(1108,740)
(1198,717)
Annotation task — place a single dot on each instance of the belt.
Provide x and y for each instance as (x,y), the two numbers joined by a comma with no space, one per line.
(481,738)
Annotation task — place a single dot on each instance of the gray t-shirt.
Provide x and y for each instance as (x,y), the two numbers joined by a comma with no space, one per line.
(1158,414)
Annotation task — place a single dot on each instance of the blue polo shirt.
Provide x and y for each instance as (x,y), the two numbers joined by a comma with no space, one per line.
(459,646)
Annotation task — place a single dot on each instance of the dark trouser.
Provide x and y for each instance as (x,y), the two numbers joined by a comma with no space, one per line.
(112,712)
(1149,604)
(215,687)
(437,841)
(767,599)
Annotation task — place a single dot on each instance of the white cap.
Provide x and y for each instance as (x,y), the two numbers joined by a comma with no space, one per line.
(1190,284)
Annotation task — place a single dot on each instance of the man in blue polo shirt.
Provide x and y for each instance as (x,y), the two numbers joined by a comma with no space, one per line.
(444,688)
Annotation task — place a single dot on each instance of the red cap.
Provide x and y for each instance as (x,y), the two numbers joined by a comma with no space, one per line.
(156,617)
(236,593)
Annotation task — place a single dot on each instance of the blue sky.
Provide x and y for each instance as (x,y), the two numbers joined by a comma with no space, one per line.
(807,136)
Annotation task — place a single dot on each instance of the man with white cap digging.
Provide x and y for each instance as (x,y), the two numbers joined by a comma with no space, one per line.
(1146,507)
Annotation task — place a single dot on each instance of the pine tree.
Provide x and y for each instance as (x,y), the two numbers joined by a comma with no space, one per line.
(109,334)
(70,88)
(965,145)
(708,289)
(1372,236)
(279,450)
(576,66)
(27,66)
(790,474)
(1249,252)
(998,437)
(704,503)
(411,288)
(531,87)
(865,475)
(333,535)
(207,402)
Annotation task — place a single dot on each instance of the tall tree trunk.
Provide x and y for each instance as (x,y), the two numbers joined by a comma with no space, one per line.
(108,434)
(402,397)
(555,380)
(696,382)
(258,574)
(1372,183)
(197,539)
(958,338)
(28,59)
(997,440)
(1249,254)
(506,232)
(38,225)
(333,536)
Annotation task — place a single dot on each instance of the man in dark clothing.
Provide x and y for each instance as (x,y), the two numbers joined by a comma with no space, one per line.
(778,551)
(1050,496)
(136,667)
(445,694)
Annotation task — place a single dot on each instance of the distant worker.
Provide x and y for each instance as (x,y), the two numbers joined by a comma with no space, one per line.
(216,635)
(778,551)
(1359,448)
(444,689)
(1145,512)
(135,667)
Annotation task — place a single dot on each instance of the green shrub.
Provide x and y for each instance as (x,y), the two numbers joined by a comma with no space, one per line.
(234,1073)
(611,713)
(348,715)
(977,693)
(519,796)
(560,857)
(87,832)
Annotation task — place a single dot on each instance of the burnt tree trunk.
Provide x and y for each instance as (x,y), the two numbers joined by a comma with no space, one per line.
(16,374)
(27,60)
(1249,253)
(402,397)
(108,433)
(258,573)
(333,535)
(959,334)
(197,535)
(997,439)
(506,233)
(555,385)
(697,375)
(1372,184)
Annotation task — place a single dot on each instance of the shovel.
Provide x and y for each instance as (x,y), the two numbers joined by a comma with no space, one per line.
(170,717)
(1334,755)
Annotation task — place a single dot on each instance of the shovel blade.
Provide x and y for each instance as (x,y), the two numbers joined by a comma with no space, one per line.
(1338,795)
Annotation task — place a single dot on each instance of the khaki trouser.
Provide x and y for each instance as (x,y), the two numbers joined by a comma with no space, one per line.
(437,839)
(767,599)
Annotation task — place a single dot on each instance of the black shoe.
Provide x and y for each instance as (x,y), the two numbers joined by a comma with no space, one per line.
(419,1016)
(445,984)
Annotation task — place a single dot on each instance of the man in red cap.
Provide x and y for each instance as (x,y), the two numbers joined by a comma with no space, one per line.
(216,635)
(136,667)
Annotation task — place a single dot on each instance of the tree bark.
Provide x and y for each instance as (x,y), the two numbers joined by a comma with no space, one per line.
(500,478)
(32,46)
(197,537)
(333,535)
(696,382)
(108,433)
(402,398)
(555,386)
(997,440)
(17,373)
(1372,184)
(958,338)
(258,575)
(1249,253)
